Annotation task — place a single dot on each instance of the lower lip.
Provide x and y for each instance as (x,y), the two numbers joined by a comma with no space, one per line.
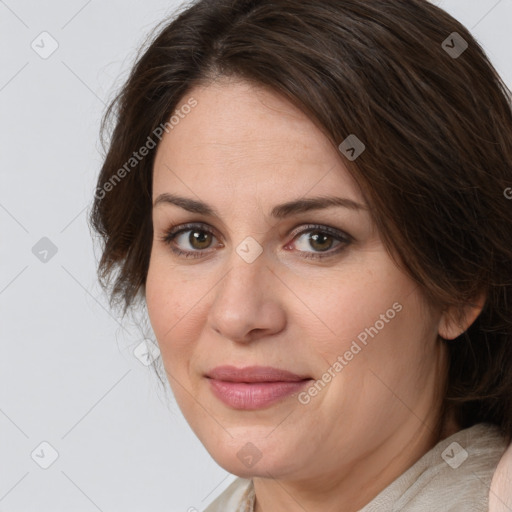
(256,395)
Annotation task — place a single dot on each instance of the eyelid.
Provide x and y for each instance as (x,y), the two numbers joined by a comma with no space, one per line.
(174,230)
(299,229)
(337,233)
(341,236)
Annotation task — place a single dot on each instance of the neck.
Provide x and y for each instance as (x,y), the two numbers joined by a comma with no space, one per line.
(357,484)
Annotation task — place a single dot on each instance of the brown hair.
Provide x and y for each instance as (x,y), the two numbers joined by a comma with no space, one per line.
(437,126)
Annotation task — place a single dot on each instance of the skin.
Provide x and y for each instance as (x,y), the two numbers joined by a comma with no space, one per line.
(243,149)
(500,496)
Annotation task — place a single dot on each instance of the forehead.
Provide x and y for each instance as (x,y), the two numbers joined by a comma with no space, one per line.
(241,138)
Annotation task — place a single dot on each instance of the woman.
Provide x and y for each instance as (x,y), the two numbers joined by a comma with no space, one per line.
(310,198)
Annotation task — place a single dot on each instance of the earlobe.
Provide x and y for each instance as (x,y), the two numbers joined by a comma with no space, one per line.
(455,321)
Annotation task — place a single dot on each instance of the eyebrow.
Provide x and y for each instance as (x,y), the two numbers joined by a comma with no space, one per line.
(279,211)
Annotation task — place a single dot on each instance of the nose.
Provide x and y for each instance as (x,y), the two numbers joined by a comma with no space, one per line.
(247,301)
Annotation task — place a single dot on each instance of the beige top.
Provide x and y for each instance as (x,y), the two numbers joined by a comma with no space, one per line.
(454,476)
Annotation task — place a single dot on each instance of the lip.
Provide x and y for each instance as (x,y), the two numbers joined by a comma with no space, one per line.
(254,374)
(253,387)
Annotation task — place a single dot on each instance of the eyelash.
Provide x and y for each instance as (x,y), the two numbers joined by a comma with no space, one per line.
(171,233)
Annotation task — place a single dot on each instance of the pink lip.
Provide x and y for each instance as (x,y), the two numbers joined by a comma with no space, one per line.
(253,387)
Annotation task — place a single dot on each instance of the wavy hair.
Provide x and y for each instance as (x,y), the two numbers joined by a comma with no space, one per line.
(434,115)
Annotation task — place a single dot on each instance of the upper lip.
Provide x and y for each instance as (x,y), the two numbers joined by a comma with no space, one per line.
(253,374)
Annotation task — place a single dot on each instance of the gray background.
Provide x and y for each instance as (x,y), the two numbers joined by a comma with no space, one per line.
(68,374)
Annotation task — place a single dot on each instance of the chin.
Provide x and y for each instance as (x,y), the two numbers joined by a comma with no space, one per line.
(257,458)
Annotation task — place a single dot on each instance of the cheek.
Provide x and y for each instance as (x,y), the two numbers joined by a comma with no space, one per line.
(170,310)
(377,330)
(369,360)
(351,309)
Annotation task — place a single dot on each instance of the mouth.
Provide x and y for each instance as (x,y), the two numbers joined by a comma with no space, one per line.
(254,387)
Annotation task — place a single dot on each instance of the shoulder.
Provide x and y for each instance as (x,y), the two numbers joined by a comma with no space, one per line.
(457,472)
(454,476)
(238,497)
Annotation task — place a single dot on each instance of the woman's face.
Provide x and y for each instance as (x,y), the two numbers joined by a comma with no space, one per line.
(311,291)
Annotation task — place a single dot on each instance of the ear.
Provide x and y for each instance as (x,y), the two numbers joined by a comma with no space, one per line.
(455,321)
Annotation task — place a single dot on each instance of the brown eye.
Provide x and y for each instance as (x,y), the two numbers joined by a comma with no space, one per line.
(193,241)
(189,241)
(199,239)
(321,239)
